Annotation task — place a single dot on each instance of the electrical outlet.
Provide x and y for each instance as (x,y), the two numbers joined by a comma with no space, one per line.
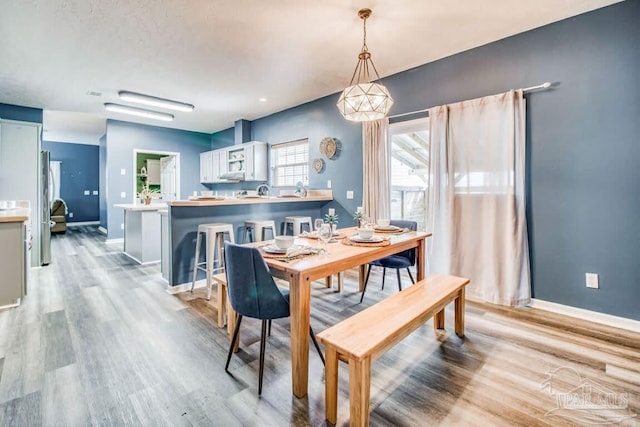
(592,280)
(123,171)
(95,192)
(350,194)
(328,183)
(70,214)
(122,226)
(87,192)
(123,195)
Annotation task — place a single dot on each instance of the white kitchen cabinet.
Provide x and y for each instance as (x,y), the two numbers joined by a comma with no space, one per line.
(248,160)
(13,262)
(210,167)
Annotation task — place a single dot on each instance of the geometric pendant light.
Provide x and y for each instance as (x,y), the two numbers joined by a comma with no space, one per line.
(363,100)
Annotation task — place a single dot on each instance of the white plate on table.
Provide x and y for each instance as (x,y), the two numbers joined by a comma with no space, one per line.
(387,228)
(373,239)
(273,249)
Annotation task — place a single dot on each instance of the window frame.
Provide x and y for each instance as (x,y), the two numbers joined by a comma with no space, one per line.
(275,167)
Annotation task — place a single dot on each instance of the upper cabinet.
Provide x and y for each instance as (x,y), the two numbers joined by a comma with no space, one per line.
(245,162)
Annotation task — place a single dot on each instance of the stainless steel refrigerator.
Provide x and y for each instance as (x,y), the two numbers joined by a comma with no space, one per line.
(45,213)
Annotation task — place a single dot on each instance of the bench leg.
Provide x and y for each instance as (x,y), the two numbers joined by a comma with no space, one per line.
(459,313)
(359,389)
(438,320)
(328,282)
(331,384)
(222,304)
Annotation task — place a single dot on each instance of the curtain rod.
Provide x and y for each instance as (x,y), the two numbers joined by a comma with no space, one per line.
(544,85)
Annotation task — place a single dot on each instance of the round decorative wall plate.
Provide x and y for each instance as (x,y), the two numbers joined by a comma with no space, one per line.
(328,147)
(318,165)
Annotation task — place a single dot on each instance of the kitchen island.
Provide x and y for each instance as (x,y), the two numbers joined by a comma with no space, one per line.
(142,231)
(185,216)
(13,254)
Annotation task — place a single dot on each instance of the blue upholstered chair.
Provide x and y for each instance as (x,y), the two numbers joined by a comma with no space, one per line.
(404,259)
(253,293)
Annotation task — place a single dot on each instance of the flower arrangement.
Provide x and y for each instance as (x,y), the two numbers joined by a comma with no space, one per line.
(147,193)
(331,217)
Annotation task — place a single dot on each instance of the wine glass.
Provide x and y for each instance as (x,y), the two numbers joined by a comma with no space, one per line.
(317,224)
(325,235)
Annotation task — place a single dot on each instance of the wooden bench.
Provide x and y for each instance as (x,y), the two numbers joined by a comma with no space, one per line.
(364,337)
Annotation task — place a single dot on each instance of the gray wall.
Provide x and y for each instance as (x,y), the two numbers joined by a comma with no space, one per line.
(123,138)
(582,141)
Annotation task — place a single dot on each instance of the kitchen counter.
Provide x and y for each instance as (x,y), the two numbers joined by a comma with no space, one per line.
(201,201)
(141,206)
(15,215)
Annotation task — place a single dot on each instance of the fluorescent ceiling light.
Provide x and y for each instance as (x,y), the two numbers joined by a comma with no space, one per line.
(154,101)
(141,112)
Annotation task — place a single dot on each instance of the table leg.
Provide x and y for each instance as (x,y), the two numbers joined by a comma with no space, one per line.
(340,276)
(331,384)
(299,300)
(459,313)
(359,389)
(362,274)
(222,304)
(328,281)
(420,259)
(231,325)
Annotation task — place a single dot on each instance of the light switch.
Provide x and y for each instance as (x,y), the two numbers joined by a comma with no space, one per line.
(350,194)
(123,195)
(95,192)
(123,171)
(87,192)
(328,183)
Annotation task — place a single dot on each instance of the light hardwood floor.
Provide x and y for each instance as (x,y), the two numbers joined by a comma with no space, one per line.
(98,341)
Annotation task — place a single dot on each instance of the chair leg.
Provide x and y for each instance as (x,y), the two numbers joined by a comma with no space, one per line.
(366,280)
(384,273)
(410,276)
(315,342)
(269,331)
(399,280)
(233,341)
(195,262)
(262,345)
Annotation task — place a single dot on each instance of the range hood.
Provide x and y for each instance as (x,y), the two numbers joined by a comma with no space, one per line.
(233,176)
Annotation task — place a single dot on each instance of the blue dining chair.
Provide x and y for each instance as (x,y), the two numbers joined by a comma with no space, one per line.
(253,293)
(404,259)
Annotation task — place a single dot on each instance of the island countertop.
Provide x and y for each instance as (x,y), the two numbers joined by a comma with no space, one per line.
(141,207)
(247,200)
(15,215)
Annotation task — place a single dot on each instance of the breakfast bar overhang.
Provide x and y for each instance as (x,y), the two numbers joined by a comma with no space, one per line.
(186,215)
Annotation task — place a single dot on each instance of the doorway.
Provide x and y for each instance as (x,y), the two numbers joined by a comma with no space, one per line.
(158,170)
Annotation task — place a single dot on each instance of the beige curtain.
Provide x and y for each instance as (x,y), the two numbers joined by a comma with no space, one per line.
(476,196)
(376,169)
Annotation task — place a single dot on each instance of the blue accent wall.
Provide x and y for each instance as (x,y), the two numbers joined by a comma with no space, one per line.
(78,172)
(25,114)
(582,145)
(123,138)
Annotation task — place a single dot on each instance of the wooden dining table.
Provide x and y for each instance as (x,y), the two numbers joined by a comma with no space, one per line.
(300,273)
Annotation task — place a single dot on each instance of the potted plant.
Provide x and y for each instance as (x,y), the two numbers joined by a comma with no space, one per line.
(146,194)
(358,216)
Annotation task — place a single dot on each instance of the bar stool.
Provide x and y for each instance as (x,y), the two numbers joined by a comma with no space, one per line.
(257,229)
(296,224)
(214,234)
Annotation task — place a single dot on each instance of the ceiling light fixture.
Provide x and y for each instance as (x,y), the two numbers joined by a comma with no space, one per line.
(140,112)
(364,101)
(154,101)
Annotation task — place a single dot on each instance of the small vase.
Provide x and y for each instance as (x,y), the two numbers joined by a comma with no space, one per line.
(147,201)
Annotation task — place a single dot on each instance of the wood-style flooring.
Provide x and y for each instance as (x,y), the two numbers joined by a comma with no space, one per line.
(99,341)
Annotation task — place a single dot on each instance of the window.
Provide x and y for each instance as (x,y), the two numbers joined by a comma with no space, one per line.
(409,170)
(290,163)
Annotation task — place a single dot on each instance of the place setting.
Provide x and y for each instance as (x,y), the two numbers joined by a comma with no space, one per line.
(285,249)
(366,237)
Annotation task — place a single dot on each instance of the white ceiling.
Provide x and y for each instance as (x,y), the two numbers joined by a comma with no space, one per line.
(222,56)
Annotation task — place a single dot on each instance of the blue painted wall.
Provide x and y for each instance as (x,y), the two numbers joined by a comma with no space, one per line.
(78,172)
(123,138)
(582,142)
(25,114)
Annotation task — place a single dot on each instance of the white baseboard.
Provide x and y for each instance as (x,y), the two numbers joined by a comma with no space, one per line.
(592,316)
(186,287)
(110,241)
(102,230)
(78,224)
